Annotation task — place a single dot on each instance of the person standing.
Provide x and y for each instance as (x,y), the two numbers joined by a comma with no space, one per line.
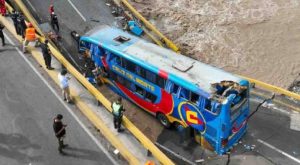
(54,22)
(30,36)
(46,54)
(14,15)
(117,111)
(22,25)
(1,34)
(60,132)
(64,84)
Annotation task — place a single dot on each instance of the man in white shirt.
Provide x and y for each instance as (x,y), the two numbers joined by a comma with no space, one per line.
(64,84)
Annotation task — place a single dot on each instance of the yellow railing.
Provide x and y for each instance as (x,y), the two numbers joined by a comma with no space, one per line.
(127,123)
(273,88)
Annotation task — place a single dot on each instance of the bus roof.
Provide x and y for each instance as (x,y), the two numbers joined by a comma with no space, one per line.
(182,70)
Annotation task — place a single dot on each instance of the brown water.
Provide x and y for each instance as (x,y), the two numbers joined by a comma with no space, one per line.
(255,38)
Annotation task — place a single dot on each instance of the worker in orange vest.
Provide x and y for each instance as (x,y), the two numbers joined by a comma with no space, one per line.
(30,36)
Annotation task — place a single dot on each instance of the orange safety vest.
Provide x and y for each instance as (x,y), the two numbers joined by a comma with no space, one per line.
(30,34)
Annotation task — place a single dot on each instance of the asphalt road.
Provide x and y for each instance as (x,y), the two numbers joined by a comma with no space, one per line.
(27,109)
(269,129)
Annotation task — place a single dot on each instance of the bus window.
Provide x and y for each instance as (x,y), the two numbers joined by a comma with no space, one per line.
(174,89)
(184,93)
(83,46)
(161,82)
(120,79)
(207,105)
(150,76)
(194,98)
(140,90)
(113,75)
(150,97)
(118,59)
(130,66)
(140,71)
(129,85)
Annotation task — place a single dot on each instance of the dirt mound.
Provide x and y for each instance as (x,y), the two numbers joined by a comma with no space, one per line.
(259,39)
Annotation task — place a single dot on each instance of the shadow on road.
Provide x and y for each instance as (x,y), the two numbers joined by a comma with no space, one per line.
(82,154)
(16,146)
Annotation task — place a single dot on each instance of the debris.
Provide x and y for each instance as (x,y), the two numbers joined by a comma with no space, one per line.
(199,160)
(249,147)
(116,151)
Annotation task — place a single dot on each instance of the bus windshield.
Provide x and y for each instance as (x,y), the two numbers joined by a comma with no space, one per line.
(227,88)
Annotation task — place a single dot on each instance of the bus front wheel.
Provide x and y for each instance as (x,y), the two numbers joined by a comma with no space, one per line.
(163,120)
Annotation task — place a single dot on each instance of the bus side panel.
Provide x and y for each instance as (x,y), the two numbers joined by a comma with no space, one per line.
(165,105)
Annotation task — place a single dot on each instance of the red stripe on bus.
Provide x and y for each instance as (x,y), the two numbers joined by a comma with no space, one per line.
(163,74)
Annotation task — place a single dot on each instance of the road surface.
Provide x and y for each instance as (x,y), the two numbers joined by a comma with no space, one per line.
(27,109)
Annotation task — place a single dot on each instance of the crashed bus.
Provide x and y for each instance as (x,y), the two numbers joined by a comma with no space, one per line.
(176,89)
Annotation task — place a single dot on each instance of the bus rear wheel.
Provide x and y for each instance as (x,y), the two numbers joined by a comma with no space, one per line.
(163,120)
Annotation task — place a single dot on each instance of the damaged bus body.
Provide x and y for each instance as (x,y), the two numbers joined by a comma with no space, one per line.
(174,88)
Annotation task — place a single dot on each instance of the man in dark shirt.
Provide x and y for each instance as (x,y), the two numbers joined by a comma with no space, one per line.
(46,54)
(21,25)
(1,34)
(54,21)
(60,132)
(14,15)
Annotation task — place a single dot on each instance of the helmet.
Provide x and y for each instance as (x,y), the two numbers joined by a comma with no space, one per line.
(30,24)
(59,116)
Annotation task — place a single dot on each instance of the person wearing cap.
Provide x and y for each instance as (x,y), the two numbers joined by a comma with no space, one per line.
(117,111)
(30,36)
(60,132)
(54,22)
(46,54)
(64,84)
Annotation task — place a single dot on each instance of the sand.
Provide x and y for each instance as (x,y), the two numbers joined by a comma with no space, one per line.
(255,38)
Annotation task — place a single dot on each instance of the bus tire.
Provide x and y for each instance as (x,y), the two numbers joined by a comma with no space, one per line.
(163,120)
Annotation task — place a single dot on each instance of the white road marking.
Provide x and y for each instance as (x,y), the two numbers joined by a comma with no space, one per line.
(63,103)
(71,3)
(30,4)
(278,150)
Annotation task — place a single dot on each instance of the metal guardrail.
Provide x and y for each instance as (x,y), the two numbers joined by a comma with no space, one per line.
(168,42)
(159,155)
(273,88)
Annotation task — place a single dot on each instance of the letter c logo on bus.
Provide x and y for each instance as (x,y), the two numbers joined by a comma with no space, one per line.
(191,116)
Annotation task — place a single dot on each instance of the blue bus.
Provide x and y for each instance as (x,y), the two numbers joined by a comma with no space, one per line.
(176,89)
